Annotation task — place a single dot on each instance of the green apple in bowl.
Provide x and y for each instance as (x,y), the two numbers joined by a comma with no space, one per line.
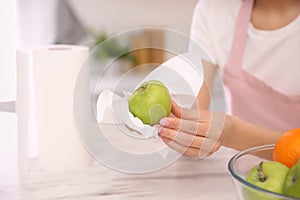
(150,102)
(268,175)
(292,181)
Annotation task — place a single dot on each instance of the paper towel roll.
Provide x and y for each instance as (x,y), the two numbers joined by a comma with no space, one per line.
(46,78)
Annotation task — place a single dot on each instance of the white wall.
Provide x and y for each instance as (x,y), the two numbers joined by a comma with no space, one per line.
(9,42)
(37,22)
(119,15)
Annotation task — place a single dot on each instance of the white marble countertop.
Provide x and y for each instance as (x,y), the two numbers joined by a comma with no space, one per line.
(187,178)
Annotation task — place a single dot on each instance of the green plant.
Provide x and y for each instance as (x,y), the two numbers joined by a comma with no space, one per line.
(110,48)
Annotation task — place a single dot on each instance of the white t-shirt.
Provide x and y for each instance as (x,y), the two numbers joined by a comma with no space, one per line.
(273,56)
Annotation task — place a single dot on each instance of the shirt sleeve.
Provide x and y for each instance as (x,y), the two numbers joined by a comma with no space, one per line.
(200,33)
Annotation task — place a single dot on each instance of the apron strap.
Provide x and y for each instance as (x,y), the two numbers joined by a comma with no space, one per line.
(240,36)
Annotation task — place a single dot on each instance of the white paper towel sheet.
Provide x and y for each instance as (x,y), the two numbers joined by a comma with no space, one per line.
(108,102)
(46,78)
(182,75)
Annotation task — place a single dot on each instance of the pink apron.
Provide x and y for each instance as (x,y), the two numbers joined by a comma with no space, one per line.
(250,98)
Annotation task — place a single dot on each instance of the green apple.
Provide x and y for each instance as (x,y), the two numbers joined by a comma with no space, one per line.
(150,102)
(292,181)
(268,175)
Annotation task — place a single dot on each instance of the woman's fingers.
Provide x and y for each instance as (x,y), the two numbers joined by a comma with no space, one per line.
(181,138)
(188,126)
(188,151)
(183,113)
(192,132)
(189,140)
(209,124)
(191,114)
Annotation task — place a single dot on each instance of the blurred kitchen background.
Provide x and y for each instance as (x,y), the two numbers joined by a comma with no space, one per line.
(27,23)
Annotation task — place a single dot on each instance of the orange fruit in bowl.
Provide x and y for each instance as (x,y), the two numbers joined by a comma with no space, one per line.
(287,148)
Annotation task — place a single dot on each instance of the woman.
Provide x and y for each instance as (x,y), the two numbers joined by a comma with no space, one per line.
(256,46)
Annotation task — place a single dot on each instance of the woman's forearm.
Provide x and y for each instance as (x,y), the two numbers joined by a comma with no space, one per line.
(241,134)
(204,95)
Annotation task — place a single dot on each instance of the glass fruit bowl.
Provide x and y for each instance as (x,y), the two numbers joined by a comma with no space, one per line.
(239,166)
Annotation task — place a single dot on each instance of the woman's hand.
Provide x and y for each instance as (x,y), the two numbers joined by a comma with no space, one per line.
(194,133)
